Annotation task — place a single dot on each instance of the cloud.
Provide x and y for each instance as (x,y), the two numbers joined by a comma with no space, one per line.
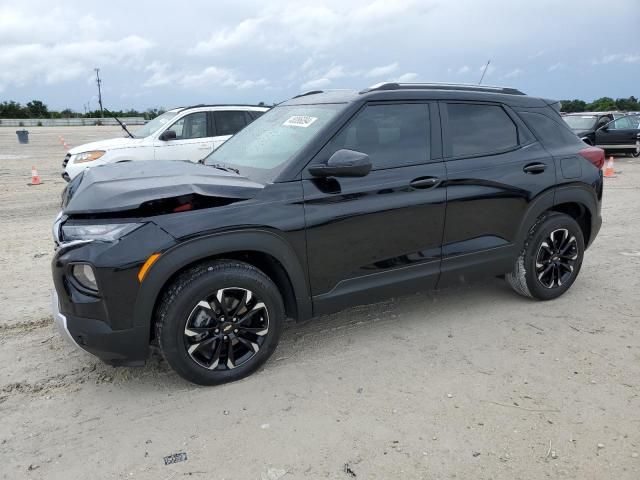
(382,71)
(162,74)
(51,64)
(316,79)
(314,84)
(617,58)
(320,26)
(516,72)
(246,31)
(215,76)
(253,49)
(407,77)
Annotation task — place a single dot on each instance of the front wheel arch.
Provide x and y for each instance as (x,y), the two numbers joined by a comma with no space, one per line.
(275,257)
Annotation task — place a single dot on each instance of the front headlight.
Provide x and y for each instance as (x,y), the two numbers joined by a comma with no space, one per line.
(87,156)
(107,232)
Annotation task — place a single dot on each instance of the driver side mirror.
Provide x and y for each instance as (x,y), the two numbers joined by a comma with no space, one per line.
(167,135)
(343,163)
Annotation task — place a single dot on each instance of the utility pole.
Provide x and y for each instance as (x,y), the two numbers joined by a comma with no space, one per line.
(99,82)
(484,71)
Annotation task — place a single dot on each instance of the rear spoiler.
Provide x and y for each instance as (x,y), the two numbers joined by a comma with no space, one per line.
(555,104)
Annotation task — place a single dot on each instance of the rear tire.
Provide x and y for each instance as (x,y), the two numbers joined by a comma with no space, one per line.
(219,322)
(551,258)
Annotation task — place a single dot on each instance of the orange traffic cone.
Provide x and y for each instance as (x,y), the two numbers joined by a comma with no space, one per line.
(35,177)
(608,170)
(66,145)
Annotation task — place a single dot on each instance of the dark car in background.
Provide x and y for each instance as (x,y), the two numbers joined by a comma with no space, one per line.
(621,135)
(328,200)
(585,124)
(614,132)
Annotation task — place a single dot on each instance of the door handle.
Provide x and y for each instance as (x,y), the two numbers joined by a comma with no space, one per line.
(535,168)
(204,146)
(424,182)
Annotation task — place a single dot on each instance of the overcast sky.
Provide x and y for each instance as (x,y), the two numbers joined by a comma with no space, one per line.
(163,54)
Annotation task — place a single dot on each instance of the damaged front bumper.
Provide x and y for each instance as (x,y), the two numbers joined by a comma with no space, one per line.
(60,320)
(103,322)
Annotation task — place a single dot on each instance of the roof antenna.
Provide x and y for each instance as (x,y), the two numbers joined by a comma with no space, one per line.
(484,71)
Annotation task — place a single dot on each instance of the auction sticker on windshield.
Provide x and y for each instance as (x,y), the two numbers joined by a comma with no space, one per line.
(303,121)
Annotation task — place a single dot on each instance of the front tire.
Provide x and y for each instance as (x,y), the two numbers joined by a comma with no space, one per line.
(219,322)
(551,259)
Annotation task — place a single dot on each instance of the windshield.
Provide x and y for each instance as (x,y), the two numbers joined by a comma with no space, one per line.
(580,122)
(261,150)
(154,125)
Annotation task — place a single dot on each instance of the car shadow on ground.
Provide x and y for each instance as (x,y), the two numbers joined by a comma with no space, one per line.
(307,338)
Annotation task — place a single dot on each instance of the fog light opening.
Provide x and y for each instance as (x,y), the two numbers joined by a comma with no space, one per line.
(85,276)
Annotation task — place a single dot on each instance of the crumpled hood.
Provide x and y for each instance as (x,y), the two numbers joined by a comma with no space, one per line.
(126,186)
(110,144)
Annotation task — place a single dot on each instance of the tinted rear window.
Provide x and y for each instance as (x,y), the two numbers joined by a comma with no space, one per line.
(229,122)
(550,132)
(480,129)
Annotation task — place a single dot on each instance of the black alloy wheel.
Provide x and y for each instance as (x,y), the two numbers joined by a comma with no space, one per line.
(556,258)
(551,258)
(219,321)
(226,329)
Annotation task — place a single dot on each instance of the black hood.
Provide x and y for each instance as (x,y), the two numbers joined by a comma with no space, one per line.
(127,186)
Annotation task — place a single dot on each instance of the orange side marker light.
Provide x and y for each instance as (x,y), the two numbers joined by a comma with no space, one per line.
(146,266)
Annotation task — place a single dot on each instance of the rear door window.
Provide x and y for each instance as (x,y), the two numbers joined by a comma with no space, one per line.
(229,122)
(479,129)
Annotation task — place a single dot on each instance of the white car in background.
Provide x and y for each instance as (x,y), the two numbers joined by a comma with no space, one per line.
(189,133)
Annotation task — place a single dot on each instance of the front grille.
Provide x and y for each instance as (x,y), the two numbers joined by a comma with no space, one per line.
(66,160)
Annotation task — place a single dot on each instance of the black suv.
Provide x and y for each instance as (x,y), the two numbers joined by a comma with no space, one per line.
(328,200)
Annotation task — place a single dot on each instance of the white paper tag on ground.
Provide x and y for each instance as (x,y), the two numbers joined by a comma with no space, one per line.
(299,121)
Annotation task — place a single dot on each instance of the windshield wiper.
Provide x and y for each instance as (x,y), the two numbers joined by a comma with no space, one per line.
(219,166)
(124,127)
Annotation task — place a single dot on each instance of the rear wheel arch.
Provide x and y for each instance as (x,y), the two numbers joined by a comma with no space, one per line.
(274,257)
(580,213)
(576,201)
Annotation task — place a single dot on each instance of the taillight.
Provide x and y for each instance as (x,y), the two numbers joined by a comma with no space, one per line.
(595,155)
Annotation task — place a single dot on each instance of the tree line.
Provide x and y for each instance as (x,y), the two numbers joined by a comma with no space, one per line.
(38,109)
(603,104)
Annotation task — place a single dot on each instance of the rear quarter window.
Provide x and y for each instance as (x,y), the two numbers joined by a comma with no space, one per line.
(550,132)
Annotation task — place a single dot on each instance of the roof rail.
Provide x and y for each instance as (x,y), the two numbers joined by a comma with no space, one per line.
(310,92)
(219,105)
(442,86)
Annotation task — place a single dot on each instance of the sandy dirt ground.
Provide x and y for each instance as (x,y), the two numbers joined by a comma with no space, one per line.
(468,383)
